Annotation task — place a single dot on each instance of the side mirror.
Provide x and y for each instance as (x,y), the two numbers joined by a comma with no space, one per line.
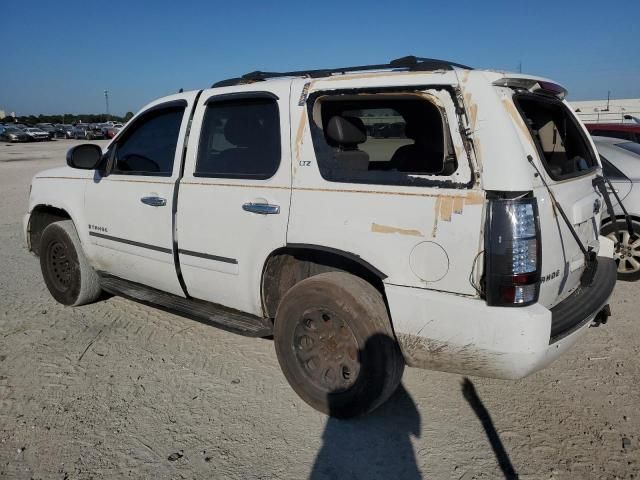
(86,156)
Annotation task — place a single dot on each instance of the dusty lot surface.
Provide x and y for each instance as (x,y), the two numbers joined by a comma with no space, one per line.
(115,389)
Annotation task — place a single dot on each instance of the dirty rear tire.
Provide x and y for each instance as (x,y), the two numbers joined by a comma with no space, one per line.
(335,345)
(66,271)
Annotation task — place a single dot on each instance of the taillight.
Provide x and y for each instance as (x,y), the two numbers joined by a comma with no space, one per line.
(512,252)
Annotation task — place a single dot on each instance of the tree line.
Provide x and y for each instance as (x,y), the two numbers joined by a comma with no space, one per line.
(68,118)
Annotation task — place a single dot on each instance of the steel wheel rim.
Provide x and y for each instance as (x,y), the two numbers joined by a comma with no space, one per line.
(627,255)
(59,266)
(326,350)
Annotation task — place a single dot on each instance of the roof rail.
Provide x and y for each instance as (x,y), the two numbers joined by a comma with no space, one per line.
(409,63)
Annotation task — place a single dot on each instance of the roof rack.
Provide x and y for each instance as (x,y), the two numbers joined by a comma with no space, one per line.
(409,63)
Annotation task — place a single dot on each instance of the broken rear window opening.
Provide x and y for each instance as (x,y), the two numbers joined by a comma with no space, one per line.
(389,139)
(561,143)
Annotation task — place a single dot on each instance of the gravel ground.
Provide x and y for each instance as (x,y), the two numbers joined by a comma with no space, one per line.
(117,389)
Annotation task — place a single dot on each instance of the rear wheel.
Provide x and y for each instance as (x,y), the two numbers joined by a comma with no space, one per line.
(627,255)
(335,345)
(66,271)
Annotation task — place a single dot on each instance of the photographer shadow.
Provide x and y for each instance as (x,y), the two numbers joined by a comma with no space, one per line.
(376,445)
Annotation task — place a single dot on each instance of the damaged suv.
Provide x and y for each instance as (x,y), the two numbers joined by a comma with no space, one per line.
(464,239)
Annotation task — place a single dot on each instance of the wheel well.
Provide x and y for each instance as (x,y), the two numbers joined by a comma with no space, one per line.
(287,266)
(607,220)
(41,217)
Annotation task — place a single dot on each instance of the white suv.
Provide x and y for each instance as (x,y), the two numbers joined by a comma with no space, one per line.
(416,212)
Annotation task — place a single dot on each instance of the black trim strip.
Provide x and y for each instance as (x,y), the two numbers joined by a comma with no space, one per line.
(174,204)
(131,242)
(209,257)
(335,251)
(225,97)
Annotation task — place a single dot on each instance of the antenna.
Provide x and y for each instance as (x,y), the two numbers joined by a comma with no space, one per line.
(106,101)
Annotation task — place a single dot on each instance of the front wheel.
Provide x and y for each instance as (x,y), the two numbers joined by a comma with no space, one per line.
(335,345)
(66,271)
(627,255)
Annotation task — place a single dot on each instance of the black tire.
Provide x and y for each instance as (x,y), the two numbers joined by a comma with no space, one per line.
(335,345)
(628,256)
(66,271)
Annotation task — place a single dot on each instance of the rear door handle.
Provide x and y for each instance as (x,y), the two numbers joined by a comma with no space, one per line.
(154,201)
(261,208)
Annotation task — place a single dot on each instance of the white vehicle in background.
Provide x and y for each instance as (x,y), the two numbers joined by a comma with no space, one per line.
(37,134)
(466,243)
(621,164)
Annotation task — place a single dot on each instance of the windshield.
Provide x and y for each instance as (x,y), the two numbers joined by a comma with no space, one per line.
(630,147)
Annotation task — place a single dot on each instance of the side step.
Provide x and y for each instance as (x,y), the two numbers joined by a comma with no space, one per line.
(206,312)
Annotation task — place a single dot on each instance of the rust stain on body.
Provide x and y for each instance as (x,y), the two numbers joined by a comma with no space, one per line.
(376,228)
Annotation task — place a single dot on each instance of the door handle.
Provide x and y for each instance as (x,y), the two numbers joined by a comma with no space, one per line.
(261,208)
(154,201)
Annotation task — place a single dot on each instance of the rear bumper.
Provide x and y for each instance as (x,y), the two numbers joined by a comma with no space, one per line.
(573,311)
(447,332)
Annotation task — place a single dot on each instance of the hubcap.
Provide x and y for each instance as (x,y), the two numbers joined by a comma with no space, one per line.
(627,255)
(326,350)
(59,265)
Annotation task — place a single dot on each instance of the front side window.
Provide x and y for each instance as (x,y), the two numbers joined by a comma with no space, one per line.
(149,145)
(381,139)
(240,139)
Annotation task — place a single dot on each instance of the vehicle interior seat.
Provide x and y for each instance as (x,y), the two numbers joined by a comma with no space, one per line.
(423,156)
(345,133)
(249,138)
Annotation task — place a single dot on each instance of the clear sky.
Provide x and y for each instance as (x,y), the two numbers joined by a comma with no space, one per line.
(59,56)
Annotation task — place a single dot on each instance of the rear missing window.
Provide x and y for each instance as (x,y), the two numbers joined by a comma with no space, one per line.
(381,139)
(562,144)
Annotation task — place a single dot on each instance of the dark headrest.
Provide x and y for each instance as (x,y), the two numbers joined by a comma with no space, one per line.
(346,130)
(240,130)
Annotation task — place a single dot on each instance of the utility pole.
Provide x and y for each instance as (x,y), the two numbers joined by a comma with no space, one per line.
(608,98)
(520,66)
(106,101)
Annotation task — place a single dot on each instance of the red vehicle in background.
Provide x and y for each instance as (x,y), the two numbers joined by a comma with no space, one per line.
(626,131)
(113,130)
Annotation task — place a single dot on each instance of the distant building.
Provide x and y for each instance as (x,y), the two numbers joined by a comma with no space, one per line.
(2,114)
(618,111)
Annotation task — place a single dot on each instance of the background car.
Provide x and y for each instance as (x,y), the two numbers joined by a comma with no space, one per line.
(622,166)
(94,131)
(47,127)
(78,130)
(13,134)
(625,131)
(113,130)
(37,134)
(63,130)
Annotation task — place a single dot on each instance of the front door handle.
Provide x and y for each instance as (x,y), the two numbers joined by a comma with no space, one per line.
(154,201)
(261,208)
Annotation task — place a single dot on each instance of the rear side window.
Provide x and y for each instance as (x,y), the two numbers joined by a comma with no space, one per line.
(561,142)
(240,139)
(381,139)
(611,172)
(149,145)
(630,147)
